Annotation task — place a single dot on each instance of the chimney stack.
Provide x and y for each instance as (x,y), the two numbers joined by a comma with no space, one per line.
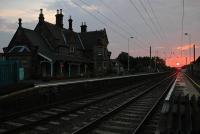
(70,23)
(59,18)
(83,27)
(20,22)
(41,16)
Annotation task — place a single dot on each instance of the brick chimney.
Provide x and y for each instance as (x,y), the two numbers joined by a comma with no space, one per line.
(70,23)
(83,27)
(41,17)
(20,22)
(59,18)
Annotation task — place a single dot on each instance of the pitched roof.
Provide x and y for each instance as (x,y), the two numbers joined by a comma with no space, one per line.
(197,60)
(43,48)
(38,41)
(76,37)
(91,38)
(56,32)
(63,36)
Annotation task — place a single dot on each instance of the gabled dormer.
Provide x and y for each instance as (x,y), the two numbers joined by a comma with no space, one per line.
(19,43)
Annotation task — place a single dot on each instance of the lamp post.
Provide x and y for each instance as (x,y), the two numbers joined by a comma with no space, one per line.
(128,54)
(189,36)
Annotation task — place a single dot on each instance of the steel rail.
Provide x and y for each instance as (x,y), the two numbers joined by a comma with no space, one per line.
(136,131)
(75,109)
(92,124)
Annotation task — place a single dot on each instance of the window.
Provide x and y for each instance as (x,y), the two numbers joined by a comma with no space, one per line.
(72,49)
(99,53)
(19,49)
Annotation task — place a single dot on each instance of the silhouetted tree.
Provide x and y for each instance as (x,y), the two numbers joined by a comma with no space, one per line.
(142,64)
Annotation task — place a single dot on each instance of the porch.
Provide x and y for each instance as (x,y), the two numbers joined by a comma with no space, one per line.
(60,69)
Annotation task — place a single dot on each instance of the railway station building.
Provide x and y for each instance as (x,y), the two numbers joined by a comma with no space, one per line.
(50,50)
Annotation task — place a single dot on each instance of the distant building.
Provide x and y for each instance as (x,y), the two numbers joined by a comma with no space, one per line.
(197,62)
(117,67)
(196,67)
(50,50)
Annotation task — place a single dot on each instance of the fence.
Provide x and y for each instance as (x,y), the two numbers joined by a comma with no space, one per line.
(9,72)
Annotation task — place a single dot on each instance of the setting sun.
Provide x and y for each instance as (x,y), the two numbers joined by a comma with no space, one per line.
(175,61)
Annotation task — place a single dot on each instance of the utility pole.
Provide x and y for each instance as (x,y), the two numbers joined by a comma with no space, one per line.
(189,36)
(150,52)
(128,55)
(194,52)
(150,58)
(156,55)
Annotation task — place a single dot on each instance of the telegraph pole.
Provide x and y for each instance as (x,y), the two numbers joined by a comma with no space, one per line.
(150,52)
(156,55)
(150,58)
(189,36)
(194,52)
(128,55)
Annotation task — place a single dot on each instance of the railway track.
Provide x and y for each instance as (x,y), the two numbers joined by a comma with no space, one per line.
(73,117)
(131,115)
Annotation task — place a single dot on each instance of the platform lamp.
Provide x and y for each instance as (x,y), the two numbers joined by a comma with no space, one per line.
(189,37)
(128,54)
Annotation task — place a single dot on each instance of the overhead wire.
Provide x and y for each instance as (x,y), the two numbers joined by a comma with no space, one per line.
(144,20)
(102,22)
(182,24)
(124,21)
(151,20)
(156,18)
(108,19)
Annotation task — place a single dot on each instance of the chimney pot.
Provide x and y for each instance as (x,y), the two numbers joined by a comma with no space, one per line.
(59,18)
(41,16)
(83,27)
(41,11)
(70,23)
(20,22)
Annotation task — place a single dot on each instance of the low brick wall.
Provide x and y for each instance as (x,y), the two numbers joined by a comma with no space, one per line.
(40,96)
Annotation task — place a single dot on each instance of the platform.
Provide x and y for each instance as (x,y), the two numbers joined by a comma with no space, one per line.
(185,85)
(180,109)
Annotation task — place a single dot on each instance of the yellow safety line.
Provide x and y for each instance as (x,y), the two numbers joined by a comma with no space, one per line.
(192,80)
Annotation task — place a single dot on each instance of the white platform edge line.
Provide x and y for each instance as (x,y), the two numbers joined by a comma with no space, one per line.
(170,91)
(90,80)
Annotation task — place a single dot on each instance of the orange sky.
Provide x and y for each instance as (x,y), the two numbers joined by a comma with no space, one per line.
(172,62)
(176,60)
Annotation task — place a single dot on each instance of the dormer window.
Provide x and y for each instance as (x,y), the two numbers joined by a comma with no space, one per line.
(19,49)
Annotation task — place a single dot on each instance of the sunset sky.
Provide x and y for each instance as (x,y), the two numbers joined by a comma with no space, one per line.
(151,22)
